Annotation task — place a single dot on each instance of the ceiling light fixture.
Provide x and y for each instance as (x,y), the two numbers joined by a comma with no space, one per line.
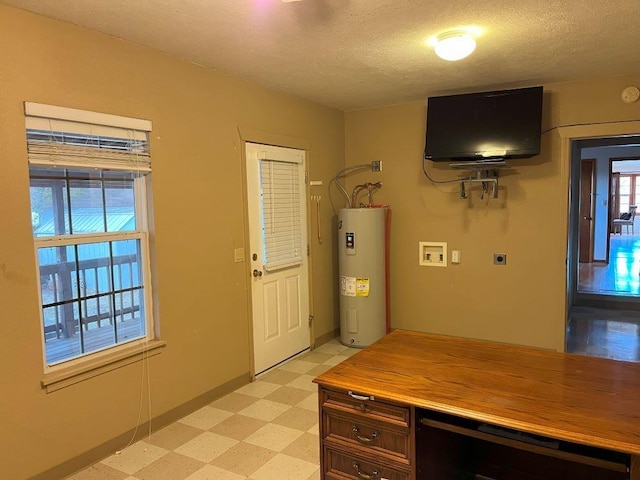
(454,45)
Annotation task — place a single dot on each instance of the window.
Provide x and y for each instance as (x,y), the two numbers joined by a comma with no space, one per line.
(88,177)
(628,191)
(281,213)
(625,192)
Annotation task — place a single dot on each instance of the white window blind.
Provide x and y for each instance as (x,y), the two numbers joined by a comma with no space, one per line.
(281,214)
(67,138)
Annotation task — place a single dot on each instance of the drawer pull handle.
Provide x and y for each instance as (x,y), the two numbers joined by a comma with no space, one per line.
(361,397)
(362,439)
(365,476)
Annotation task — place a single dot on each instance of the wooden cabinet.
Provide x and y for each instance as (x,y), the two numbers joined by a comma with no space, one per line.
(415,406)
(364,438)
(340,465)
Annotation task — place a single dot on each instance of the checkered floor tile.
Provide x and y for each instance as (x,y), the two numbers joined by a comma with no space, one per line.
(266,430)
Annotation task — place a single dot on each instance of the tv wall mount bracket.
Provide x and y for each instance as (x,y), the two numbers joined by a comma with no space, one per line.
(483,172)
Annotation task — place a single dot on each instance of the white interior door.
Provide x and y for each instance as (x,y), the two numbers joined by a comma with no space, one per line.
(278,253)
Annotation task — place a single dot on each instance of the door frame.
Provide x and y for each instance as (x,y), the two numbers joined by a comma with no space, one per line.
(569,164)
(249,135)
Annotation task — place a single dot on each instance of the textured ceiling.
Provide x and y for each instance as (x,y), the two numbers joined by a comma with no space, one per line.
(353,54)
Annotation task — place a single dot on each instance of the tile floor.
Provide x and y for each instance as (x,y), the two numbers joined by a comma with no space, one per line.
(266,430)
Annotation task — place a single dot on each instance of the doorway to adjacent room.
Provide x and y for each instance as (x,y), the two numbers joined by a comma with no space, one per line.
(609,239)
(604,249)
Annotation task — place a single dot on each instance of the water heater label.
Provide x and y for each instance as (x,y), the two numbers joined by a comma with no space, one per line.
(362,287)
(354,286)
(347,286)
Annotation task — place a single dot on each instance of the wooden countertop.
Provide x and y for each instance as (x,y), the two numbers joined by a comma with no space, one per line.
(588,400)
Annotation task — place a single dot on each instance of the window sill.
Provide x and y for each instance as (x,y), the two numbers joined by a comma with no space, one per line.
(92,368)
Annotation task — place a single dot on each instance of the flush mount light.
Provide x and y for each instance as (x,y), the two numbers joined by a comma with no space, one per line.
(454,45)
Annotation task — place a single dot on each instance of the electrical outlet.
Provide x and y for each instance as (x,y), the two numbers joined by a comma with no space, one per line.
(376,166)
(499,258)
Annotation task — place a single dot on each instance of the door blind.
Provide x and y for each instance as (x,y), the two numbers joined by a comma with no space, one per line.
(281,214)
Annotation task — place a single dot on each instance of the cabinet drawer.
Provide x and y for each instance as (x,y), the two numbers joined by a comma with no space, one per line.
(342,466)
(379,438)
(366,407)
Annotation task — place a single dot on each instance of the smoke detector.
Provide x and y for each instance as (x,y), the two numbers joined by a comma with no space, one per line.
(630,94)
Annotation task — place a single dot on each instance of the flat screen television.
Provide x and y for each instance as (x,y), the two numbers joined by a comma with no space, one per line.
(485,126)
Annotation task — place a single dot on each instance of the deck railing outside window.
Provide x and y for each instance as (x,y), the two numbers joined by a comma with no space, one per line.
(91,304)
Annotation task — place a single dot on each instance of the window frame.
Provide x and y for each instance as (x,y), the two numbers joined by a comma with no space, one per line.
(74,240)
(60,374)
(633,190)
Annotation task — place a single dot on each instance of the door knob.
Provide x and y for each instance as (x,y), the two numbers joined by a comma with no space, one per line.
(257,273)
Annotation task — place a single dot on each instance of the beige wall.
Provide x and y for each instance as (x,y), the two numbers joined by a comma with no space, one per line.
(522,302)
(197,114)
(198,201)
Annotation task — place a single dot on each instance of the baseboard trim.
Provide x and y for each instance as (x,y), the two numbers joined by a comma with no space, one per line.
(107,448)
(102,451)
(322,339)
